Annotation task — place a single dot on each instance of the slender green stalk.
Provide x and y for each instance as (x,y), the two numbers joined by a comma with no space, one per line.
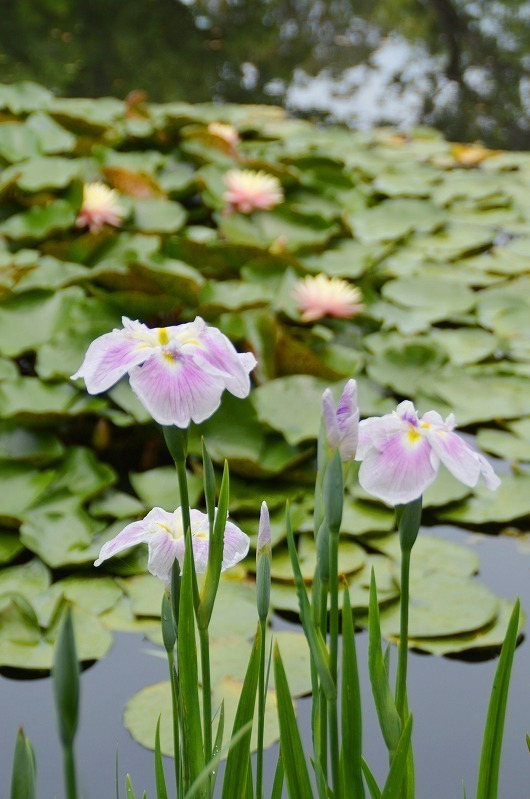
(204,639)
(69,772)
(262,696)
(322,703)
(175,710)
(401,677)
(333,659)
(184,495)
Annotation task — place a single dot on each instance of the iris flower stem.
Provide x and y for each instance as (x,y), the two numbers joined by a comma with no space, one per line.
(323,737)
(333,660)
(175,709)
(204,639)
(401,678)
(69,771)
(261,710)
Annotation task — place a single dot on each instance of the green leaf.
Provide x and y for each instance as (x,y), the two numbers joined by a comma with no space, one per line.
(488,776)
(398,765)
(296,773)
(23,778)
(237,764)
(351,713)
(373,787)
(158,216)
(159,487)
(17,142)
(160,778)
(66,680)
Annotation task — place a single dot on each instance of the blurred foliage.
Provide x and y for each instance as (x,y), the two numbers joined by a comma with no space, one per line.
(464,64)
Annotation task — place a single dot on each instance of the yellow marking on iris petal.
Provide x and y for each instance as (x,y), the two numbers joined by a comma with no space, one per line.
(426,424)
(413,435)
(163,336)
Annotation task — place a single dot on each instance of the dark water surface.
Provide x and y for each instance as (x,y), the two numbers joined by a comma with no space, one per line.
(460,65)
(448,699)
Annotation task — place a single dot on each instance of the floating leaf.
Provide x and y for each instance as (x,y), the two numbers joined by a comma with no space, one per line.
(351,559)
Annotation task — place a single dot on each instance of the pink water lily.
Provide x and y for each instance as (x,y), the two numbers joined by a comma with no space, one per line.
(321,296)
(178,373)
(100,206)
(249,191)
(342,422)
(401,454)
(164,535)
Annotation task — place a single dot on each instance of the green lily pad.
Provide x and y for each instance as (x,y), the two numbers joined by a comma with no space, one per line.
(29,446)
(116,505)
(51,137)
(148,705)
(431,555)
(395,219)
(159,488)
(42,173)
(21,488)
(60,540)
(510,501)
(504,444)
(45,311)
(158,216)
(490,637)
(17,142)
(442,604)
(28,580)
(10,546)
(351,559)
(442,298)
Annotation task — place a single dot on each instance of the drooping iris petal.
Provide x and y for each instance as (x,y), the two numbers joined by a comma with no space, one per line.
(401,470)
(375,432)
(236,545)
(175,391)
(461,459)
(178,372)
(219,352)
(110,357)
(162,554)
(135,533)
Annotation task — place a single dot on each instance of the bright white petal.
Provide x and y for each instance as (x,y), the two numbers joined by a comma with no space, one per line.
(218,355)
(400,471)
(111,356)
(176,391)
(162,554)
(135,533)
(236,544)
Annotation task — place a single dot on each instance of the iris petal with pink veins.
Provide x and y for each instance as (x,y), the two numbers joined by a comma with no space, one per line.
(400,454)
(164,535)
(178,373)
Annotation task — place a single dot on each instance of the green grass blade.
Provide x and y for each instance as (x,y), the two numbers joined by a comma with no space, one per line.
(204,776)
(23,779)
(373,787)
(398,766)
(218,743)
(351,716)
(296,773)
(387,714)
(191,742)
(215,554)
(129,792)
(160,777)
(66,680)
(488,776)
(235,781)
(277,785)
(319,653)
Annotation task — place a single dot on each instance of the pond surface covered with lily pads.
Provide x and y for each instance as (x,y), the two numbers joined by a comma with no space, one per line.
(434,236)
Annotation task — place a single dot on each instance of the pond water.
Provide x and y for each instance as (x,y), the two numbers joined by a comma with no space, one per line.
(460,66)
(448,698)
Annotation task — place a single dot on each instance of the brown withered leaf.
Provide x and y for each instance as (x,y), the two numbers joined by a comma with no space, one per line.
(134,184)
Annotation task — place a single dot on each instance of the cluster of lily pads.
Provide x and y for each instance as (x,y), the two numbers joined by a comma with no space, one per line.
(435,236)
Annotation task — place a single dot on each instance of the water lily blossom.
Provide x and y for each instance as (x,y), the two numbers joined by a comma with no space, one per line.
(327,296)
(342,422)
(164,535)
(223,130)
(178,373)
(400,454)
(100,207)
(251,191)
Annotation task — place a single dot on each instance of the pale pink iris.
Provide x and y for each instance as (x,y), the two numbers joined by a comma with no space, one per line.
(100,206)
(342,422)
(249,191)
(164,535)
(321,296)
(178,373)
(401,453)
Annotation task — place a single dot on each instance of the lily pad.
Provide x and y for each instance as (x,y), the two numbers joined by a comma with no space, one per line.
(351,559)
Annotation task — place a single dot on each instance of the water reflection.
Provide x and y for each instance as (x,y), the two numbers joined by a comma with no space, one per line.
(461,66)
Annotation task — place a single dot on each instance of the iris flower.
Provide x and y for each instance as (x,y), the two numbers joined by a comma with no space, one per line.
(164,535)
(342,423)
(178,373)
(100,206)
(327,296)
(251,191)
(401,453)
